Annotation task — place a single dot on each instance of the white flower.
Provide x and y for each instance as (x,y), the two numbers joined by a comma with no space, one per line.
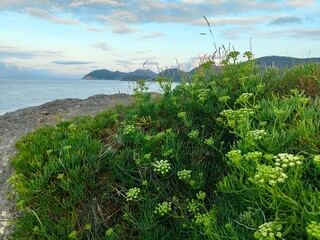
(269,175)
(128,129)
(163,208)
(184,174)
(235,156)
(313,229)
(162,167)
(270,231)
(256,134)
(133,193)
(285,160)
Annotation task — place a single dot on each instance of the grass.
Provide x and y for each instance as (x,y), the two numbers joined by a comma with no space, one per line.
(233,154)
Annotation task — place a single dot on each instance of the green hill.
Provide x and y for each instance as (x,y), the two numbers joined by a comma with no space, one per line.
(282,62)
(177,75)
(104,74)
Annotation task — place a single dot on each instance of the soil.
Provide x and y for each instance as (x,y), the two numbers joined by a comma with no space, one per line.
(13,125)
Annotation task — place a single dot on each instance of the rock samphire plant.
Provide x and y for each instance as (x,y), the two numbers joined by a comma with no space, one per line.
(231,154)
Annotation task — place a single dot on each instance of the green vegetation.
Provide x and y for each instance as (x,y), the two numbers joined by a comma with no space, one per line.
(110,75)
(228,155)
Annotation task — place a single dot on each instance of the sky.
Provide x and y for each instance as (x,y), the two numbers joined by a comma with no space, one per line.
(70,38)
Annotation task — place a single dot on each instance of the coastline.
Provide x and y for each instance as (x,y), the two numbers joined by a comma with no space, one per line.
(14,124)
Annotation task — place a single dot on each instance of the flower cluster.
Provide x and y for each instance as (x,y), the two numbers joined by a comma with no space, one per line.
(203,95)
(194,134)
(270,175)
(193,206)
(235,156)
(279,112)
(268,157)
(303,100)
(202,219)
(253,156)
(256,134)
(67,148)
(285,160)
(160,135)
(316,160)
(182,115)
(209,141)
(224,99)
(268,231)
(162,167)
(110,233)
(163,208)
(246,215)
(148,137)
(184,174)
(49,151)
(128,129)
(147,156)
(88,227)
(243,98)
(72,235)
(72,127)
(239,115)
(201,195)
(313,229)
(133,193)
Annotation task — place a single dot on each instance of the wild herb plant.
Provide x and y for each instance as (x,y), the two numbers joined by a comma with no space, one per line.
(226,155)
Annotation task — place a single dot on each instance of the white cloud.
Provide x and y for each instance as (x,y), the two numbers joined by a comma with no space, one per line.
(124,16)
(101,45)
(295,33)
(119,22)
(194,1)
(300,3)
(124,29)
(14,52)
(232,20)
(286,20)
(313,34)
(9,3)
(94,29)
(50,17)
(144,8)
(9,70)
(117,17)
(143,52)
(153,35)
(79,3)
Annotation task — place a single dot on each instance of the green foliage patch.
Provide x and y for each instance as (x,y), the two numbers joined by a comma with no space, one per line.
(233,154)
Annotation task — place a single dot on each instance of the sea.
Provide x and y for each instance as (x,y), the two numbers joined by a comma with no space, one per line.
(22,93)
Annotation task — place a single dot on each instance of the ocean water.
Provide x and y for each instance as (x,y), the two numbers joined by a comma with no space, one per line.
(21,93)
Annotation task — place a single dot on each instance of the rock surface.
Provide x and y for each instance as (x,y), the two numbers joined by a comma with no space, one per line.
(14,125)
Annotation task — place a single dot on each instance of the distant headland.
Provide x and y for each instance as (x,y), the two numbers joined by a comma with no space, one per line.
(177,74)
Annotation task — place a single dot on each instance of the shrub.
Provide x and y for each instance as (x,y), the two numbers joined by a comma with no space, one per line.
(228,155)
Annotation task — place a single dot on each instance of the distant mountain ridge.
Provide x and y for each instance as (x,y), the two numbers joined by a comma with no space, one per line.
(174,73)
(177,75)
(104,74)
(281,61)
